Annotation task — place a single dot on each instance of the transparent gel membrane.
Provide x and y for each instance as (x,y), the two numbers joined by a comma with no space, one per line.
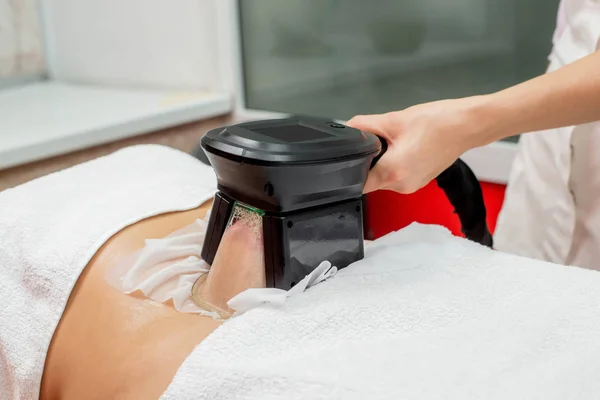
(238,263)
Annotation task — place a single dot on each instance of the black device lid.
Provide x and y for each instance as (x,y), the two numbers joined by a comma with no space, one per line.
(289,141)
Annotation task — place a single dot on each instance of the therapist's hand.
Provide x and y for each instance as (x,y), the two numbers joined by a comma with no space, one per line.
(423,141)
(426,139)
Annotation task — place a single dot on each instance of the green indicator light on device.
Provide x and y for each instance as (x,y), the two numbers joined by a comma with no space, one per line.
(249,208)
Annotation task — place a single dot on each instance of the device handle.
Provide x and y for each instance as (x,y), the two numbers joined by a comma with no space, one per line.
(384,147)
(463,190)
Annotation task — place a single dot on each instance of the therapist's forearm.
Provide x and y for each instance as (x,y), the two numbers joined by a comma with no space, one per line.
(566,97)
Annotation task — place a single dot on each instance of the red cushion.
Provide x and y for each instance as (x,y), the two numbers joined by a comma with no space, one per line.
(389,211)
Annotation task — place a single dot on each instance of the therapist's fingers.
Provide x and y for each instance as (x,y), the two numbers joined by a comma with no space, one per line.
(382,173)
(376,123)
(373,183)
(389,175)
(377,177)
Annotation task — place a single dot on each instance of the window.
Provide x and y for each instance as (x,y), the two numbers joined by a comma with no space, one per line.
(21,49)
(337,58)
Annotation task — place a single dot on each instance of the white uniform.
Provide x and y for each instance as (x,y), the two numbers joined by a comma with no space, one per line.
(552,204)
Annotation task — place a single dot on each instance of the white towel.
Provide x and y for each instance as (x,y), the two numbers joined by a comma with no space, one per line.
(51,227)
(424,316)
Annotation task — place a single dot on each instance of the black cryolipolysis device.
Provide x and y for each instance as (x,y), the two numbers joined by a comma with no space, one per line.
(305,177)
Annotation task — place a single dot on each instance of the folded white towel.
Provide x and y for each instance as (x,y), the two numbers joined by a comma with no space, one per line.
(51,227)
(424,316)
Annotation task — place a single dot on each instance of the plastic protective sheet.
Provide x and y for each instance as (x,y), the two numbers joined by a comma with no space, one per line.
(166,269)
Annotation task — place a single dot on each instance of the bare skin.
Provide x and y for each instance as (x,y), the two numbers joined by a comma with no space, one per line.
(112,346)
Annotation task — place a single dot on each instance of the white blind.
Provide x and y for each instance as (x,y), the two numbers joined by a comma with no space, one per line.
(21,49)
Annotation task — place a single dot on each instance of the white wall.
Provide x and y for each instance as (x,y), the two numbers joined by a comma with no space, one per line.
(133,43)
